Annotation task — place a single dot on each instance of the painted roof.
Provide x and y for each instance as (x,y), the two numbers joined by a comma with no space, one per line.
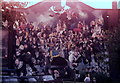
(100,4)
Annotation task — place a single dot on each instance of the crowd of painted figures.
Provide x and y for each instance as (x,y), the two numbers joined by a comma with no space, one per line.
(69,39)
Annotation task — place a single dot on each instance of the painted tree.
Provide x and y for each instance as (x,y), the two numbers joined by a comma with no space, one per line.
(114,51)
(10,15)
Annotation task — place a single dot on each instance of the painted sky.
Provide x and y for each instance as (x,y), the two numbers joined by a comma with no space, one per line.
(101,4)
